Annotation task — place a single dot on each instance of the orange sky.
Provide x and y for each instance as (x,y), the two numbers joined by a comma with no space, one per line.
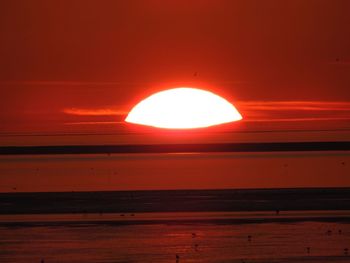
(71,70)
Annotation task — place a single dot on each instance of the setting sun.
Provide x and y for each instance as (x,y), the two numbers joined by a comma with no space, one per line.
(183,108)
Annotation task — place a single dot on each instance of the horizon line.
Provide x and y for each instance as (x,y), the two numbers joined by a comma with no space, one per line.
(178,148)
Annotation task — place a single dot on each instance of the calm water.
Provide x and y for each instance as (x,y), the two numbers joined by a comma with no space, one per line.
(199,226)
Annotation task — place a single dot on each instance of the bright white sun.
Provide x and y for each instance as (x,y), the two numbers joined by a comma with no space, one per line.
(183,108)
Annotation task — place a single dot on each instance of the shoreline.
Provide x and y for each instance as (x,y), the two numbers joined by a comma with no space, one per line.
(235,200)
(222,218)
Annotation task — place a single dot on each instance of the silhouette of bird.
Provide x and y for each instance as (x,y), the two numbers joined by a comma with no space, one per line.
(177,257)
(308,250)
(339,231)
(196,247)
(329,232)
(249,238)
(346,251)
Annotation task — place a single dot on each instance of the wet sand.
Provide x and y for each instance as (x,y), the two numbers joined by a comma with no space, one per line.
(160,241)
(254,225)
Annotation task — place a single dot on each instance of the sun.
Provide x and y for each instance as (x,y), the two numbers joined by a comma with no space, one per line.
(183,108)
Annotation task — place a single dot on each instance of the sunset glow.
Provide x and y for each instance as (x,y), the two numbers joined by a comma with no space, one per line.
(183,108)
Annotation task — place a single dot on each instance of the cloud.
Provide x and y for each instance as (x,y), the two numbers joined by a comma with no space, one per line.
(298,119)
(252,111)
(93,123)
(94,112)
(295,105)
(294,111)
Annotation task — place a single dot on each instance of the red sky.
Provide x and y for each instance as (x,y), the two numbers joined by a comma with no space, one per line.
(77,67)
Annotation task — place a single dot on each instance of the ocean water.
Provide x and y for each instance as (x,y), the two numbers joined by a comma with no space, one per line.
(142,233)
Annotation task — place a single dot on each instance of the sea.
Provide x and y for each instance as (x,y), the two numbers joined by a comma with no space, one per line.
(233,225)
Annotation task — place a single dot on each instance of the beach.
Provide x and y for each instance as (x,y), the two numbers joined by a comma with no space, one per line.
(150,232)
(160,240)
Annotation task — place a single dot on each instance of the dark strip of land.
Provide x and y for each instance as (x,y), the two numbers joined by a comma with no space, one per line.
(177,148)
(176,201)
(183,221)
